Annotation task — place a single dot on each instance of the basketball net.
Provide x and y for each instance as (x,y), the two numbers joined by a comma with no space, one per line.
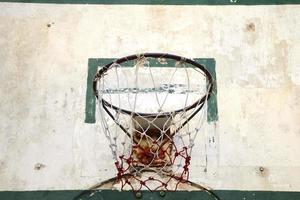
(151,113)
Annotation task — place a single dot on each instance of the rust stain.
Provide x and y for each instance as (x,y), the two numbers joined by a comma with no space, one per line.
(263,174)
(50,24)
(262,171)
(250,27)
(251,30)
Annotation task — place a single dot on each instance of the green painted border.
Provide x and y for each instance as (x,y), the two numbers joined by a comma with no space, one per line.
(90,100)
(146,195)
(212,109)
(94,63)
(164,2)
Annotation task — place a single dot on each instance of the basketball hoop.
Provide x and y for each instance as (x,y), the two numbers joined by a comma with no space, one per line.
(151,108)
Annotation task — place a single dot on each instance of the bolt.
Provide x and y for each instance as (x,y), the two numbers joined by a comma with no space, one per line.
(261,169)
(162,193)
(138,195)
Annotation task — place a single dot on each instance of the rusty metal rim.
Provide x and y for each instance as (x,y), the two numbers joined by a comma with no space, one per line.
(200,101)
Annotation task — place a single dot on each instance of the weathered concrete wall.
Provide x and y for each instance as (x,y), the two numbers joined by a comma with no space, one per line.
(44,142)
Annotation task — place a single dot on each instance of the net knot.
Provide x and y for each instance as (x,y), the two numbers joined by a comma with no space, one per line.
(185,168)
(117,164)
(129,160)
(142,183)
(119,175)
(180,178)
(181,62)
(187,160)
(164,184)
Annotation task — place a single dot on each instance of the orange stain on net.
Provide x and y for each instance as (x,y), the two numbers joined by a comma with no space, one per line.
(156,150)
(153,148)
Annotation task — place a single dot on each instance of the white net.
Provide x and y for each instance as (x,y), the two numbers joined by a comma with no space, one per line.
(151,110)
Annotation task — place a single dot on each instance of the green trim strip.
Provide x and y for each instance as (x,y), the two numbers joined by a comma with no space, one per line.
(90,101)
(164,2)
(146,195)
(212,109)
(94,63)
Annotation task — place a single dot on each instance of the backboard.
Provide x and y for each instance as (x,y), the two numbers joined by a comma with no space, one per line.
(50,136)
